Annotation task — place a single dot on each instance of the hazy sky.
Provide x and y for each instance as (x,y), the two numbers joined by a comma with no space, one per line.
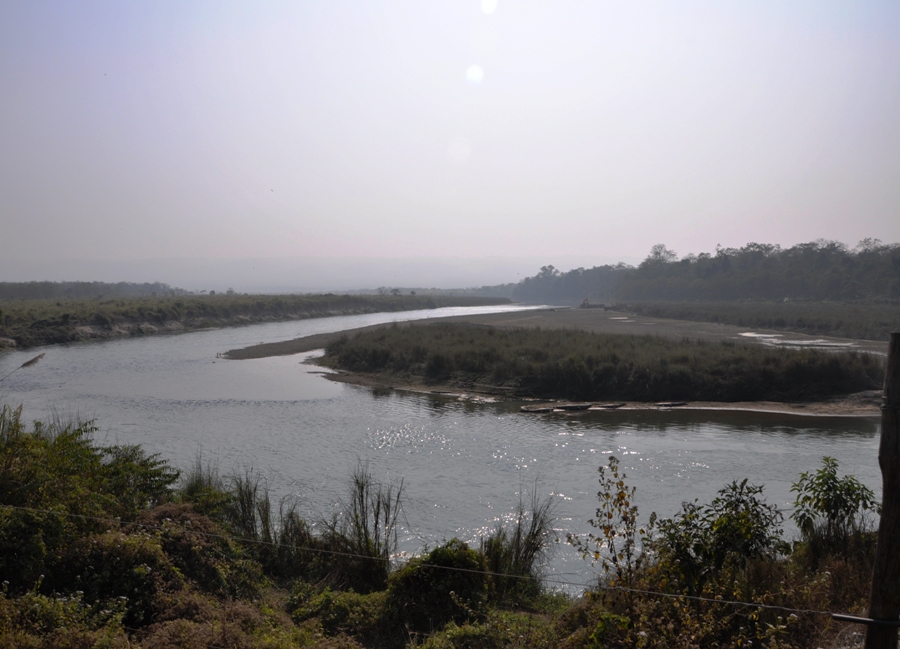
(555,130)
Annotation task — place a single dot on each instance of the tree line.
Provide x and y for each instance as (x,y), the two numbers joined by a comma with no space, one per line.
(817,270)
(80,290)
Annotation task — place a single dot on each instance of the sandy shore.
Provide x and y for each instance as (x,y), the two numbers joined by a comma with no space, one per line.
(866,404)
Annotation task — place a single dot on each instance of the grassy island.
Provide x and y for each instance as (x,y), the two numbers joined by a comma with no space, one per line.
(30,323)
(107,546)
(577,365)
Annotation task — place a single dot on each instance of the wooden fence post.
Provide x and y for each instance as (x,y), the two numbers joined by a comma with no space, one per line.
(884,601)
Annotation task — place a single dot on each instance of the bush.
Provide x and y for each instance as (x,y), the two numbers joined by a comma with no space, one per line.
(829,510)
(77,487)
(35,620)
(499,629)
(715,540)
(620,545)
(361,616)
(446,584)
(200,550)
(116,565)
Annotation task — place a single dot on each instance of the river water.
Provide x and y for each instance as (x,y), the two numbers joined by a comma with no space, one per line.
(463,464)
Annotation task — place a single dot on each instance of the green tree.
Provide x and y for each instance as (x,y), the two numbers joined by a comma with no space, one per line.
(829,510)
(712,541)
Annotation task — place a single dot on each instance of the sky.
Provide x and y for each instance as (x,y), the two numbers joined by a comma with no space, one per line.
(343,144)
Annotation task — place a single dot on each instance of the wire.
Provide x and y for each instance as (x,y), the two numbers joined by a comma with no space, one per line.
(600,586)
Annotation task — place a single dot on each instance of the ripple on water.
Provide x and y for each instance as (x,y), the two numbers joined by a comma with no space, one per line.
(412,438)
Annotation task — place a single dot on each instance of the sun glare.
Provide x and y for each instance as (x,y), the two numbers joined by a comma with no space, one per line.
(489,6)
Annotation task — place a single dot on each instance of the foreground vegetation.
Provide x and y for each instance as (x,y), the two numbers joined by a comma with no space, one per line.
(29,323)
(107,546)
(565,364)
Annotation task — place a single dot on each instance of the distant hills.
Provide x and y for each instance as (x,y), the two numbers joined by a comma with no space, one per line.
(818,270)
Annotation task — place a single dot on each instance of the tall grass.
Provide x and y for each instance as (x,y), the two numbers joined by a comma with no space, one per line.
(580,365)
(352,548)
(363,535)
(279,539)
(202,485)
(520,549)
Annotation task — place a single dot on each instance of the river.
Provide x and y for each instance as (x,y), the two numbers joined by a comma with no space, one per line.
(463,464)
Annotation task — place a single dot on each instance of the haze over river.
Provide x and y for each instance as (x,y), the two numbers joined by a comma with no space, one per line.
(463,464)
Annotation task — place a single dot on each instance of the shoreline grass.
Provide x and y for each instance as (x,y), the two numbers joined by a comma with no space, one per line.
(32,323)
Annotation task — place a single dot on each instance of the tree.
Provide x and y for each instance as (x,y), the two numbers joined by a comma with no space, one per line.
(659,254)
(828,509)
(705,542)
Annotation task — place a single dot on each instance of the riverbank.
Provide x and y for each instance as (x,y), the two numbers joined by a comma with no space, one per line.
(33,323)
(861,404)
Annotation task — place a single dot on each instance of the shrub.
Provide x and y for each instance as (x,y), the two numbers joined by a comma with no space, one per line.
(65,486)
(703,541)
(620,545)
(446,584)
(499,629)
(830,510)
(200,550)
(36,620)
(117,565)
(361,616)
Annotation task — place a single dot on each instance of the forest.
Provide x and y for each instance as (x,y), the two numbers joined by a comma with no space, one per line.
(818,270)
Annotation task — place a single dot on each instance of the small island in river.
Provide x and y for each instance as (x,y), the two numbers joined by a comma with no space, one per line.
(514,357)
